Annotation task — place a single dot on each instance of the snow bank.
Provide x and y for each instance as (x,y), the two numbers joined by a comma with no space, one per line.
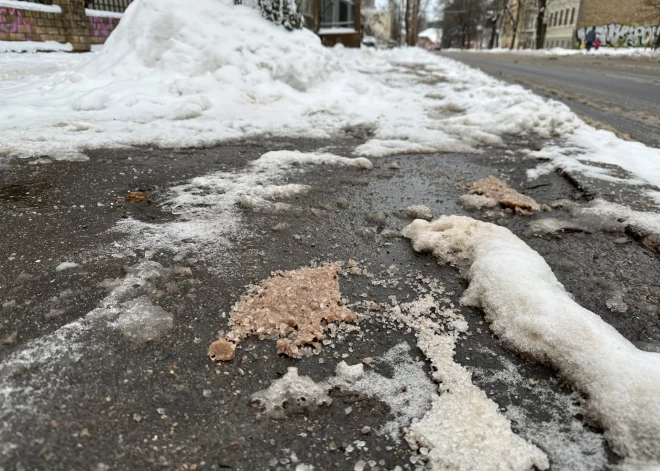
(191,74)
(532,312)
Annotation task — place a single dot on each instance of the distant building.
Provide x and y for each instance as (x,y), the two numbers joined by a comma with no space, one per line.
(622,23)
(335,21)
(561,19)
(618,23)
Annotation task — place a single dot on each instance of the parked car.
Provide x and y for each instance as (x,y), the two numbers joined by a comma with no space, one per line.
(434,46)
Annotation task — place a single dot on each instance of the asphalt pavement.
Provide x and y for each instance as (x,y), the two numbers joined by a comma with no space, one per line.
(616,93)
(77,395)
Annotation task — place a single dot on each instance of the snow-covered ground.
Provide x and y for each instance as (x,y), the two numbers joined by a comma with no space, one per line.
(220,71)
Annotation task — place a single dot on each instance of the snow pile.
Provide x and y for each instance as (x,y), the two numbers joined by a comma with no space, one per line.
(192,74)
(176,74)
(531,312)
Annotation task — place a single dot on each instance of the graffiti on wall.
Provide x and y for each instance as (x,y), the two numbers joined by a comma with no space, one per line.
(616,34)
(102,27)
(11,21)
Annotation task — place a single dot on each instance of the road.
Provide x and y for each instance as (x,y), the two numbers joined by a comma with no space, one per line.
(619,94)
(77,395)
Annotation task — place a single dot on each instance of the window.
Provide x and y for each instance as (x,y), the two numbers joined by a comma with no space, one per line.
(572,16)
(566,17)
(552,17)
(338,14)
(561,17)
(556,18)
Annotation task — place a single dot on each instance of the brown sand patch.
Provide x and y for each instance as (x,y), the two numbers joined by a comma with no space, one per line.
(493,187)
(292,306)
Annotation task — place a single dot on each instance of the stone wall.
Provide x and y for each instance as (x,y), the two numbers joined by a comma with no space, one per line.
(65,21)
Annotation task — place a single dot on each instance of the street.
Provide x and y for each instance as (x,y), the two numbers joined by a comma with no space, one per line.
(619,94)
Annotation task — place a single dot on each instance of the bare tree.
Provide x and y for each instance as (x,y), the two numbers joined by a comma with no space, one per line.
(461,21)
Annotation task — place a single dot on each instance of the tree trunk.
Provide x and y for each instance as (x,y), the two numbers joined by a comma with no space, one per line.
(540,27)
(515,25)
(407,21)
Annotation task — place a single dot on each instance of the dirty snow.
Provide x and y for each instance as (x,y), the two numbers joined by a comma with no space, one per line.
(295,306)
(599,215)
(532,313)
(495,189)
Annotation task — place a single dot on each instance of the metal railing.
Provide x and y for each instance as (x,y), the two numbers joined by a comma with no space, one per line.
(43,2)
(118,6)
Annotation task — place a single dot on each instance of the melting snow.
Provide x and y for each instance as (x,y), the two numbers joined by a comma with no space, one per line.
(532,313)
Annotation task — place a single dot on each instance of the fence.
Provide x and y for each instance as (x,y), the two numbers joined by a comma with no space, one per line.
(118,6)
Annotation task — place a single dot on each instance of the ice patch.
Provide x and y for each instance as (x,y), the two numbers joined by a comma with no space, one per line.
(600,215)
(142,321)
(533,314)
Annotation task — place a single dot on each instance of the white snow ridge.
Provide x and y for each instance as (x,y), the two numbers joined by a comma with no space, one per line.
(532,313)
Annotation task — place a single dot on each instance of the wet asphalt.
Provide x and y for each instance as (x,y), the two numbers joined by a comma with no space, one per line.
(109,404)
(615,93)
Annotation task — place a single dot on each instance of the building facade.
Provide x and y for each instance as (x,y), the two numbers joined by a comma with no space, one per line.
(560,21)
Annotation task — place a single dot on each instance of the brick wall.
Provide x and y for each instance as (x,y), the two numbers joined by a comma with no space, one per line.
(72,25)
(602,12)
